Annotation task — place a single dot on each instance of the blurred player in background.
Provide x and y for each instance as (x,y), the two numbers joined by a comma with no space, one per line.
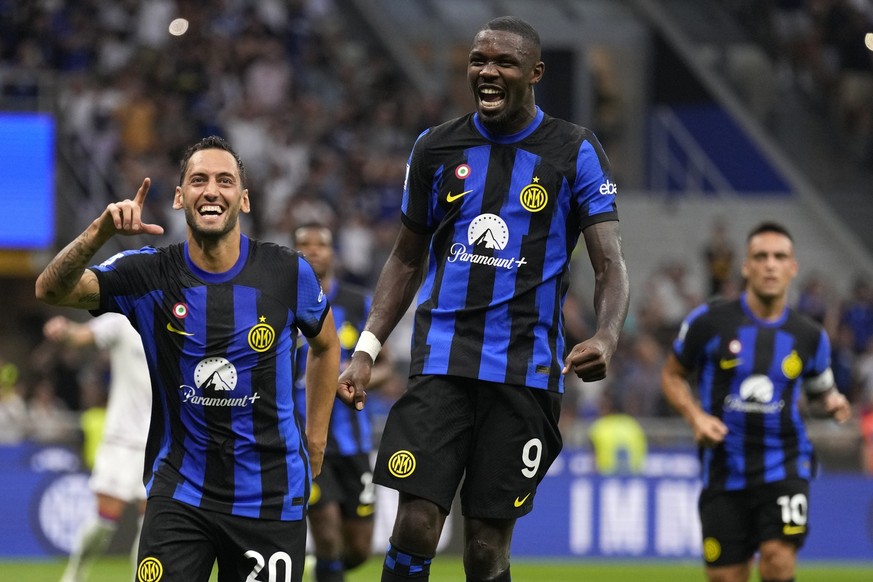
(228,463)
(752,359)
(493,205)
(342,504)
(116,477)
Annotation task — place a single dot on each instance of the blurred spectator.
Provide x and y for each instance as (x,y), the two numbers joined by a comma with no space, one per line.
(718,257)
(668,296)
(355,240)
(619,442)
(793,28)
(48,418)
(60,368)
(843,361)
(818,300)
(864,403)
(857,314)
(137,116)
(854,83)
(637,385)
(267,79)
(13,409)
(819,47)
(866,426)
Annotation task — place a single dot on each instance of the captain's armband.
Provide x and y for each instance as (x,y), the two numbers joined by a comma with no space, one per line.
(817,385)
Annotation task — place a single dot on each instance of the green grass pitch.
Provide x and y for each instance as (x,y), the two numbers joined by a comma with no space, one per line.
(449,569)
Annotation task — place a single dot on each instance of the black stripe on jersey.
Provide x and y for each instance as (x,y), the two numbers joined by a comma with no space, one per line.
(726,322)
(754,449)
(265,422)
(218,484)
(349,305)
(523,310)
(166,346)
(461,362)
(791,443)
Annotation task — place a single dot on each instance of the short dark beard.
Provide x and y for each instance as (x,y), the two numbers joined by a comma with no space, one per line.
(191,220)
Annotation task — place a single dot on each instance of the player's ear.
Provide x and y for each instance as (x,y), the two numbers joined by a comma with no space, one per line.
(245,205)
(177,198)
(537,73)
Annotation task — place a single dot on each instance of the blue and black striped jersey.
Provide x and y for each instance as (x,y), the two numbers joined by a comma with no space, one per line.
(749,373)
(505,213)
(224,434)
(350,431)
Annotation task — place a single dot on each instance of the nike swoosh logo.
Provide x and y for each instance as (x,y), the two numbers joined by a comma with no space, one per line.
(179,331)
(728,364)
(451,198)
(519,502)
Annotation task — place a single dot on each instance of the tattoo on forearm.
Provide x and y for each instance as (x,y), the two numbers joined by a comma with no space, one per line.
(65,270)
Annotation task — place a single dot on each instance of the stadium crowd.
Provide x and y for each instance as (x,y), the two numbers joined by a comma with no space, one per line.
(823,50)
(325,123)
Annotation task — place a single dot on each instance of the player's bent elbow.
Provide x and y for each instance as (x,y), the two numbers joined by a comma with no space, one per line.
(45,294)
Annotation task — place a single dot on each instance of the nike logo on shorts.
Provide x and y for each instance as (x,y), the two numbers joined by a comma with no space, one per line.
(519,502)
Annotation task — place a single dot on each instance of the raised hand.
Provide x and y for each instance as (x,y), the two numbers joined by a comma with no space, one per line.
(126,216)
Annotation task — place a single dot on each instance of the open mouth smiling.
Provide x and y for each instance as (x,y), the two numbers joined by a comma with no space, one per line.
(211,210)
(491,97)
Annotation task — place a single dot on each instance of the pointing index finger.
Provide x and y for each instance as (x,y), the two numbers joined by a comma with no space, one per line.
(143,190)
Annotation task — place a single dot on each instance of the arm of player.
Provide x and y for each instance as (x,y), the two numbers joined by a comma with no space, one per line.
(590,359)
(822,391)
(399,282)
(837,405)
(322,369)
(65,280)
(59,329)
(708,430)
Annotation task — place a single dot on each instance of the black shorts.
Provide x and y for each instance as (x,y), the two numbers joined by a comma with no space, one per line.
(180,543)
(735,523)
(500,439)
(348,481)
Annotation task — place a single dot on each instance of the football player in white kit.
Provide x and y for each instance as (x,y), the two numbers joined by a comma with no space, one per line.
(116,477)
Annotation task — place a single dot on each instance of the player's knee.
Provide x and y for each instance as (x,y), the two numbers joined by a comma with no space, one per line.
(777,560)
(484,560)
(504,576)
(328,544)
(418,528)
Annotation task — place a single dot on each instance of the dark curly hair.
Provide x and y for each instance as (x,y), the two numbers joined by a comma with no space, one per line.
(213,142)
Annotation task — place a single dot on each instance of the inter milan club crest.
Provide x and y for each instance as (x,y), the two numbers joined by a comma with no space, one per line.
(261,336)
(534,197)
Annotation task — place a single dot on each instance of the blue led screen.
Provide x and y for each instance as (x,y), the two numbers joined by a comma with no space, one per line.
(27,180)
